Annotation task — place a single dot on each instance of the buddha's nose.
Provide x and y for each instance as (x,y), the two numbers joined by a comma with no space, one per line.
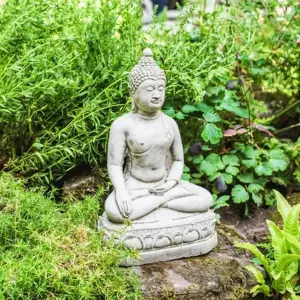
(156,95)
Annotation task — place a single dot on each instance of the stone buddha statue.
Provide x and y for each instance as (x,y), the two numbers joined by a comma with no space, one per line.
(169,217)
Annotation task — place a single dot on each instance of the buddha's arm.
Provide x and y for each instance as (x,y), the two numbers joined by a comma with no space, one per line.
(176,168)
(116,151)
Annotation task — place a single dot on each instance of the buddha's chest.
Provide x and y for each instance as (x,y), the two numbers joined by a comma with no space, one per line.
(144,137)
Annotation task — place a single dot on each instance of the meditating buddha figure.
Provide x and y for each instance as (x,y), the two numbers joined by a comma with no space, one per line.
(145,154)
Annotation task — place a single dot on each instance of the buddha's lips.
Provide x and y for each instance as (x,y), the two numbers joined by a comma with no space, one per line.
(155,101)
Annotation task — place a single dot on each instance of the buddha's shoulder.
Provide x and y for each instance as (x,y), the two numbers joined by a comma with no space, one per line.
(169,120)
(122,121)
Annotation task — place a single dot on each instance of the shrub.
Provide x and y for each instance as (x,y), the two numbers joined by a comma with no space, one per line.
(50,250)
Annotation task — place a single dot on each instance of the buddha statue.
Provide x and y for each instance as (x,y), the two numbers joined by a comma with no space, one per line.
(145,165)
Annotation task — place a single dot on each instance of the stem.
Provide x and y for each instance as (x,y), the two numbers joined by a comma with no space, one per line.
(282,112)
(287,128)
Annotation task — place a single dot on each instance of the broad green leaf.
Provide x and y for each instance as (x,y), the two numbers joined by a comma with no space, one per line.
(230,159)
(249,163)
(282,205)
(278,240)
(257,274)
(291,223)
(263,169)
(188,108)
(216,160)
(204,107)
(257,199)
(186,169)
(239,194)
(211,117)
(255,187)
(278,161)
(256,252)
(232,170)
(211,133)
(208,168)
(246,178)
(251,153)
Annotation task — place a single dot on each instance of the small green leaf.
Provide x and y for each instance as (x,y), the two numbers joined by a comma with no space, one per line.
(255,188)
(228,178)
(251,153)
(263,169)
(37,145)
(230,159)
(216,160)
(232,170)
(211,133)
(170,112)
(239,194)
(278,161)
(257,199)
(186,176)
(246,178)
(208,168)
(249,163)
(211,117)
(179,115)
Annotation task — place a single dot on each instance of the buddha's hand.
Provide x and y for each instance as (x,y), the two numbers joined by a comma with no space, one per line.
(166,186)
(124,203)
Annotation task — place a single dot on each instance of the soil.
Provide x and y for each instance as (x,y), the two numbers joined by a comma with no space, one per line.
(254,226)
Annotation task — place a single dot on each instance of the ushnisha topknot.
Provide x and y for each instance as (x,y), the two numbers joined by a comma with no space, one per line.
(145,69)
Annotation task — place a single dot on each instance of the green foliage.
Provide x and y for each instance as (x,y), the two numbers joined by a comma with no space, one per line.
(283,268)
(63,80)
(50,250)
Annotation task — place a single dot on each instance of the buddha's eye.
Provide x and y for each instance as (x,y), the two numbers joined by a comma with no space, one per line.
(150,88)
(161,88)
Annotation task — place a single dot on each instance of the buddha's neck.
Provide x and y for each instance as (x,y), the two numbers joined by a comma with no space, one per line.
(147,115)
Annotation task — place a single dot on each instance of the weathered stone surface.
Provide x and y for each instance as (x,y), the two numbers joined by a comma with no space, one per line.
(217,275)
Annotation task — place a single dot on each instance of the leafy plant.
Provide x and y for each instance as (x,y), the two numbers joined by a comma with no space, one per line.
(282,270)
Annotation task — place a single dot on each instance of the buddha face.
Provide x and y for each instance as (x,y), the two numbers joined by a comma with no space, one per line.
(150,95)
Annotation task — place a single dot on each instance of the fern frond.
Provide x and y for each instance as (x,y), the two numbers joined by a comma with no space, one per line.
(257,274)
(292,243)
(278,240)
(256,252)
(279,284)
(291,224)
(284,261)
(282,205)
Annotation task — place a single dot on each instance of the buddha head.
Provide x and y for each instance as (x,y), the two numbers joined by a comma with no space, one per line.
(147,85)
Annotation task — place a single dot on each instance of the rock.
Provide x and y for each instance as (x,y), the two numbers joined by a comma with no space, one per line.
(217,275)
(81,184)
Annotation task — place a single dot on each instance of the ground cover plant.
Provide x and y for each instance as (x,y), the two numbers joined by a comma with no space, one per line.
(50,250)
(281,263)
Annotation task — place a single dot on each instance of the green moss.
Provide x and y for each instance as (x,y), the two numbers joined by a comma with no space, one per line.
(50,250)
